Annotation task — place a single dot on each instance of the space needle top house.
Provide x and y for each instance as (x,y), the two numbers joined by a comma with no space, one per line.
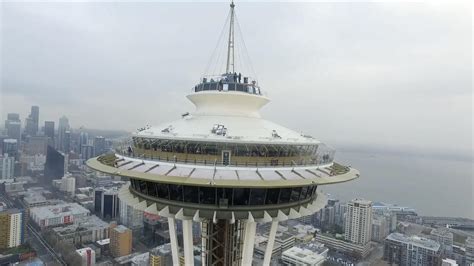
(225,167)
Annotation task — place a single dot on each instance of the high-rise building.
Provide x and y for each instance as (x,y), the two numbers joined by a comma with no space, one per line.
(225,167)
(55,166)
(87,152)
(12,228)
(7,166)
(11,147)
(445,238)
(32,122)
(36,145)
(63,140)
(49,131)
(120,240)
(13,126)
(411,250)
(358,222)
(470,250)
(106,202)
(83,140)
(99,145)
(161,256)
(380,228)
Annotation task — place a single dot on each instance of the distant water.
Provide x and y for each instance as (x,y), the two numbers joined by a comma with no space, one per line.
(438,187)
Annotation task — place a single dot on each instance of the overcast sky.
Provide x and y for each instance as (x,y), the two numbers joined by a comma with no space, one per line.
(390,74)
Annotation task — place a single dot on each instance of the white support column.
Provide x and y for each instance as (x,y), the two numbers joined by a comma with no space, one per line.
(249,242)
(270,242)
(173,240)
(188,242)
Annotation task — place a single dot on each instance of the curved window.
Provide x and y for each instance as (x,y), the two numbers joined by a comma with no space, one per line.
(223,197)
(257,196)
(285,194)
(295,194)
(241,196)
(176,192)
(190,194)
(272,196)
(207,195)
(163,191)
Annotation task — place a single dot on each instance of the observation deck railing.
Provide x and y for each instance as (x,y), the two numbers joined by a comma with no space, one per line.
(238,161)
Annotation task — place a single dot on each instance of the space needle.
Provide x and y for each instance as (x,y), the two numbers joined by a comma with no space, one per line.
(225,167)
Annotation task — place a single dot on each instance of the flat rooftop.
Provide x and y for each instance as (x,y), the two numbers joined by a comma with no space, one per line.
(415,241)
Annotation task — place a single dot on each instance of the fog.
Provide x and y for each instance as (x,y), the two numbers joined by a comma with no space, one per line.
(386,74)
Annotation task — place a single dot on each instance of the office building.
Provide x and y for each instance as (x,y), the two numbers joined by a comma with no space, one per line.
(343,246)
(64,135)
(358,222)
(411,250)
(11,147)
(87,255)
(131,210)
(106,202)
(55,166)
(120,240)
(66,184)
(470,250)
(32,122)
(7,166)
(87,152)
(60,214)
(99,146)
(161,255)
(49,131)
(84,230)
(302,257)
(13,126)
(380,228)
(36,145)
(12,228)
(445,238)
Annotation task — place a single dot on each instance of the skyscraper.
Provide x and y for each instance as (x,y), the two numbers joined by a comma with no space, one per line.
(32,122)
(12,228)
(99,145)
(11,147)
(120,240)
(359,221)
(49,131)
(411,250)
(63,140)
(13,126)
(7,166)
(54,167)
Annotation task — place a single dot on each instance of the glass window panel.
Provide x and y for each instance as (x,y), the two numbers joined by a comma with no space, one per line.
(295,194)
(272,196)
(257,196)
(241,196)
(191,194)
(304,191)
(151,189)
(142,186)
(224,194)
(207,195)
(162,190)
(285,194)
(176,192)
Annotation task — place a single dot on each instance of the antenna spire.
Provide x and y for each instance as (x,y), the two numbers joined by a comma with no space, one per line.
(230,45)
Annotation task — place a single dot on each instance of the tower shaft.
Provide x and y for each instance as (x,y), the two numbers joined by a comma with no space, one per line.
(222,242)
